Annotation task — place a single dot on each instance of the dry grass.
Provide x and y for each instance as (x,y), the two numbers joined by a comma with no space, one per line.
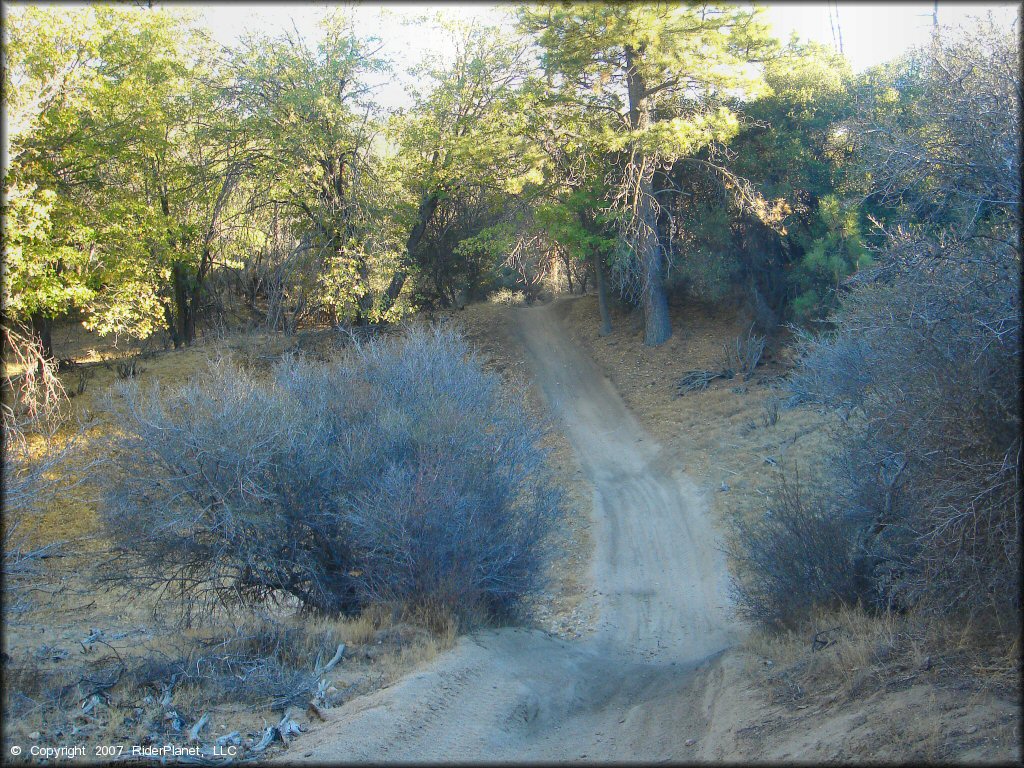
(724,436)
(877,692)
(882,688)
(843,650)
(50,670)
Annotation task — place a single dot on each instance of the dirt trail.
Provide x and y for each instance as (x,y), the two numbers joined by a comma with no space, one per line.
(635,689)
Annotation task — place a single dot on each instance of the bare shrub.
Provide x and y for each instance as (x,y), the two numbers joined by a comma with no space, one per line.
(925,354)
(402,472)
(770,413)
(796,558)
(34,411)
(743,354)
(129,369)
(929,456)
(458,504)
(223,487)
(834,369)
(261,662)
(85,375)
(697,381)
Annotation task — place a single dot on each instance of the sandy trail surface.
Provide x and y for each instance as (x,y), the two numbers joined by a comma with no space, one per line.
(637,688)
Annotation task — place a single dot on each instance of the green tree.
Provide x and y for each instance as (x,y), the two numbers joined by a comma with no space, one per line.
(314,129)
(572,217)
(45,78)
(463,152)
(135,163)
(653,81)
(786,229)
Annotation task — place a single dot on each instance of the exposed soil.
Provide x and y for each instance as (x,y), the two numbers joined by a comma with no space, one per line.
(665,672)
(629,691)
(624,659)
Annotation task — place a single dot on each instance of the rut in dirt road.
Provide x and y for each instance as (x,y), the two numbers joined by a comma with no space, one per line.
(656,566)
(630,692)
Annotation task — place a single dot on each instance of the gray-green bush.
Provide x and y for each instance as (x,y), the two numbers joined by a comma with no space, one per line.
(402,472)
(797,556)
(923,359)
(928,359)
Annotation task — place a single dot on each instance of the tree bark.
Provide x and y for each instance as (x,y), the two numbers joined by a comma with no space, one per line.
(428,205)
(657,325)
(567,263)
(364,304)
(602,295)
(42,326)
(184,320)
(763,313)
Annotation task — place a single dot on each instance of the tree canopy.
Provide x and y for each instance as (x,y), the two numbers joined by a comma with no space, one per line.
(154,178)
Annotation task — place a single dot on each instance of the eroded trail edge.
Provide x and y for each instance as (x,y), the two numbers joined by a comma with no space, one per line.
(634,689)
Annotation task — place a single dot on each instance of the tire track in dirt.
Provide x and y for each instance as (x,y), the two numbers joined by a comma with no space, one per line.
(633,690)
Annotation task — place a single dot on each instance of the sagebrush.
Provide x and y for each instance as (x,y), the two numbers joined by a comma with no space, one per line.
(798,556)
(402,472)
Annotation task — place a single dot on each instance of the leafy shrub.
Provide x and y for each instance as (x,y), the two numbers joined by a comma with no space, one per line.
(797,557)
(401,472)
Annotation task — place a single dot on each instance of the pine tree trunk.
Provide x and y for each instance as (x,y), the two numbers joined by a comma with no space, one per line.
(364,306)
(184,322)
(647,249)
(602,295)
(657,325)
(428,205)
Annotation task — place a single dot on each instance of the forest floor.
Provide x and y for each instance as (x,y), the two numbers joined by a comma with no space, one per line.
(83,637)
(631,654)
(665,672)
(887,689)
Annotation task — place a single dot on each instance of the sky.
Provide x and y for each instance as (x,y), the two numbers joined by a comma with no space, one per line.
(871,32)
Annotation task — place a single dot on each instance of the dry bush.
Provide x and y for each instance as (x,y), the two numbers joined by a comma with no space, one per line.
(34,457)
(770,413)
(851,653)
(743,355)
(402,473)
(797,557)
(508,297)
(842,648)
(924,360)
(456,503)
(262,662)
(156,689)
(928,463)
